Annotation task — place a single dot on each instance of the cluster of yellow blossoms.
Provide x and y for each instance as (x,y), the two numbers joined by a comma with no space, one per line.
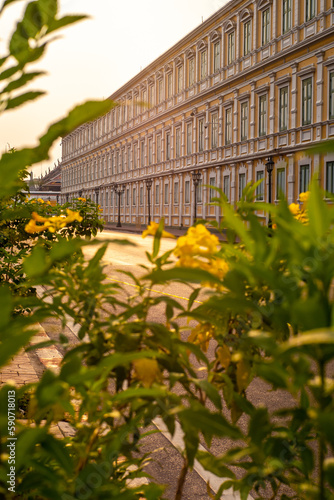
(53,223)
(199,249)
(81,199)
(299,212)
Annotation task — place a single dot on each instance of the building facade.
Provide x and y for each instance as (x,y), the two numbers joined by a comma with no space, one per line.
(255,80)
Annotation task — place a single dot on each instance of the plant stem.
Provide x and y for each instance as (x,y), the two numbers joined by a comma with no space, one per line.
(321,438)
(181,480)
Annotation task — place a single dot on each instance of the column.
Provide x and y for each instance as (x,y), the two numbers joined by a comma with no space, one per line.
(320,87)
(218,184)
(233,185)
(294,102)
(272,110)
(205,193)
(291,179)
(180,199)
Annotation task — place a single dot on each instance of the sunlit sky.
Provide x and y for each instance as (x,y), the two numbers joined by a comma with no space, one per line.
(95,57)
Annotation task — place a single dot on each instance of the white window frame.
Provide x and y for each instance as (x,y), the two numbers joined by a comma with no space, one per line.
(244,120)
(187,191)
(279,182)
(178,142)
(263,114)
(286,16)
(189,138)
(216,56)
(283,103)
(228,179)
(203,64)
(266,26)
(247,32)
(214,130)
(231,47)
(228,126)
(307,100)
(200,135)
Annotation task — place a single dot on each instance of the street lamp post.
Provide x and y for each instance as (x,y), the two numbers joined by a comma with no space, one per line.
(196,180)
(119,189)
(270,168)
(149,185)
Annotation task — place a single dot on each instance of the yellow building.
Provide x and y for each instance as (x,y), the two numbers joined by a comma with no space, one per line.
(252,82)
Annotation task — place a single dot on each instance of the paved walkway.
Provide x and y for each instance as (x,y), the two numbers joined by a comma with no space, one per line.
(177,231)
(28,367)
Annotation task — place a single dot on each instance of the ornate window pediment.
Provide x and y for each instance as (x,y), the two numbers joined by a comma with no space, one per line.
(179,61)
(158,75)
(168,68)
(229,26)
(151,80)
(215,36)
(245,15)
(263,4)
(202,45)
(190,53)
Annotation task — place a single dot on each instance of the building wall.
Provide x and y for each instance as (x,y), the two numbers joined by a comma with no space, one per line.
(254,80)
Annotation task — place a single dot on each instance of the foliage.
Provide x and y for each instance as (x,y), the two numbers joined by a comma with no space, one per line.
(266,311)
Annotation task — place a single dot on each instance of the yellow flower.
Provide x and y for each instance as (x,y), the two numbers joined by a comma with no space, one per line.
(303,197)
(294,208)
(40,200)
(152,229)
(201,335)
(32,227)
(197,241)
(81,199)
(147,371)
(53,223)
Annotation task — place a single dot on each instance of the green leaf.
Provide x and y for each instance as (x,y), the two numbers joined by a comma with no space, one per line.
(37,263)
(210,424)
(57,24)
(7,73)
(157,238)
(22,98)
(259,426)
(182,274)
(213,464)
(48,9)
(20,82)
(211,391)
(57,450)
(141,392)
(6,302)
(26,443)
(318,211)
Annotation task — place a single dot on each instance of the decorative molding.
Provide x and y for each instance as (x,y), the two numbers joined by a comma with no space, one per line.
(179,61)
(190,53)
(229,26)
(202,45)
(215,36)
(262,89)
(306,71)
(245,15)
(283,79)
(263,4)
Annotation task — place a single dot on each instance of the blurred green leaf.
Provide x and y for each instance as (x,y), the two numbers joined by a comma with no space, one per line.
(213,464)
(21,99)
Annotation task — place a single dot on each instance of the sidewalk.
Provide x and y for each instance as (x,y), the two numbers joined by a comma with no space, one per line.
(177,231)
(28,367)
